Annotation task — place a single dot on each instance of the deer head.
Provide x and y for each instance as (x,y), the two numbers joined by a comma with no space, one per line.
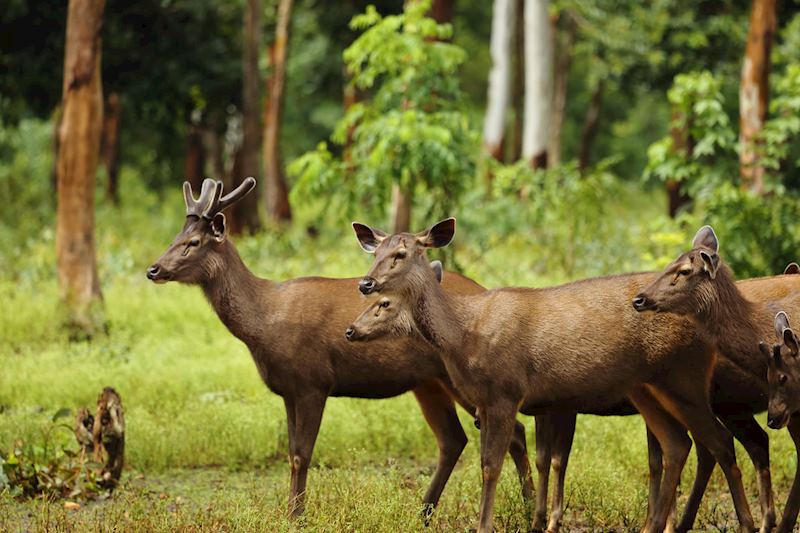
(192,256)
(686,285)
(783,374)
(400,257)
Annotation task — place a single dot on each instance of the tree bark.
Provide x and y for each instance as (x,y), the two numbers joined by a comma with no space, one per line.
(754,91)
(518,90)
(590,126)
(682,143)
(246,211)
(78,155)
(538,82)
(276,193)
(195,158)
(401,208)
(442,11)
(110,145)
(563,63)
(503,18)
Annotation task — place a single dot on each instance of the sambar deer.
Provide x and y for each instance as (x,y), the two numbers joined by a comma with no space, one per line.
(293,331)
(574,347)
(699,285)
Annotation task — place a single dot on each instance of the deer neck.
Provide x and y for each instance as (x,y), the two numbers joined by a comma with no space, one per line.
(438,316)
(240,298)
(731,322)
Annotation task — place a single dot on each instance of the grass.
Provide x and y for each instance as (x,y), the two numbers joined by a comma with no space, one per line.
(206,441)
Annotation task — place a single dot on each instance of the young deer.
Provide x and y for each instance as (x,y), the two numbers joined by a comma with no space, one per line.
(700,286)
(577,347)
(783,374)
(294,332)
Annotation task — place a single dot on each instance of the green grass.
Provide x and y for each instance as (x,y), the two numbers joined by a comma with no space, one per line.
(206,441)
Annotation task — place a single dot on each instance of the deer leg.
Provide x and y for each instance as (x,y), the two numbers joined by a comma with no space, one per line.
(307,417)
(562,445)
(793,502)
(497,427)
(518,450)
(440,413)
(695,413)
(655,463)
(675,445)
(544,454)
(705,467)
(756,442)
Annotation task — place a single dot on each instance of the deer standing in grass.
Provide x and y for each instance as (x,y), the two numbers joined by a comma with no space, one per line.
(574,347)
(700,286)
(294,332)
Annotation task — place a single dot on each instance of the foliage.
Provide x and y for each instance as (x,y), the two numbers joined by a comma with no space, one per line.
(52,468)
(411,132)
(760,233)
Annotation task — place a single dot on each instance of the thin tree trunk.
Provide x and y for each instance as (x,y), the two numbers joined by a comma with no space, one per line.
(246,211)
(401,208)
(503,18)
(79,135)
(518,90)
(753,91)
(110,145)
(276,193)
(590,126)
(563,63)
(442,11)
(538,82)
(195,158)
(683,144)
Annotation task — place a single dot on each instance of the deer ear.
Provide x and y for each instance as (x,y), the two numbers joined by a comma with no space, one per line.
(218,227)
(438,235)
(438,269)
(792,268)
(790,340)
(710,263)
(706,238)
(368,238)
(781,323)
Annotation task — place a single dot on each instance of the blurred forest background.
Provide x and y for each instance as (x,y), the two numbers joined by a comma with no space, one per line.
(570,138)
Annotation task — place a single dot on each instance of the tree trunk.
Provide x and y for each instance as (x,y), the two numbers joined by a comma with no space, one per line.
(276,193)
(401,208)
(753,91)
(518,90)
(683,144)
(590,126)
(246,211)
(195,158)
(564,46)
(538,82)
(78,155)
(56,145)
(442,11)
(503,18)
(110,145)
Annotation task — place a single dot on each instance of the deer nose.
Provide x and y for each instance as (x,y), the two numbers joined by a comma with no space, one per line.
(349,332)
(153,271)
(366,285)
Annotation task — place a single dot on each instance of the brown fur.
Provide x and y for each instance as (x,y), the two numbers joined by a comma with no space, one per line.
(295,333)
(578,346)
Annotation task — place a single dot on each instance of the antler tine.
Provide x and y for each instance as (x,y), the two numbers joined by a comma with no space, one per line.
(235,195)
(211,206)
(188,199)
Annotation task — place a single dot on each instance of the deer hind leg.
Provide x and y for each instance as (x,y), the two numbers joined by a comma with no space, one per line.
(564,424)
(691,407)
(655,463)
(497,428)
(756,442)
(675,445)
(793,503)
(545,436)
(440,413)
(705,467)
(303,429)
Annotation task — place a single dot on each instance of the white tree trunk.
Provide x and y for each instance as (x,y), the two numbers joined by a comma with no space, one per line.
(538,80)
(499,77)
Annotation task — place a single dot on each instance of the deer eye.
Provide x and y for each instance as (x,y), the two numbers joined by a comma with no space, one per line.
(685,271)
(782,380)
(194,242)
(384,304)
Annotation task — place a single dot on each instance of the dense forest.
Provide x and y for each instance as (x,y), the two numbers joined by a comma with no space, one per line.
(569,138)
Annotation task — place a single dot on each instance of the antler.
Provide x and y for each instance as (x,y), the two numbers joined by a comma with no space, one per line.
(211,200)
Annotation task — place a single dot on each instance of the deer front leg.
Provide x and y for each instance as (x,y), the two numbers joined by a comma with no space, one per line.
(705,467)
(307,417)
(497,427)
(544,455)
(793,502)
(564,425)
